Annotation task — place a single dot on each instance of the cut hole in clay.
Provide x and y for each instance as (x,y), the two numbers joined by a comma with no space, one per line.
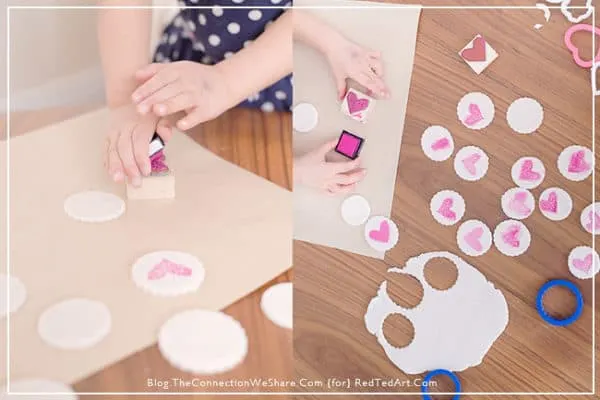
(440,273)
(398,330)
(559,302)
(404,290)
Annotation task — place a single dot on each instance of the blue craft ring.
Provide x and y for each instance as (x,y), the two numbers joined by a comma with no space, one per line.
(451,375)
(573,289)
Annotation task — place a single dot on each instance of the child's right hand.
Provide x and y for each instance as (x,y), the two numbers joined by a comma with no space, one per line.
(314,171)
(128,143)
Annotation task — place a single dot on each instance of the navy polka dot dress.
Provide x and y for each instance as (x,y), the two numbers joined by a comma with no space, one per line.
(209,35)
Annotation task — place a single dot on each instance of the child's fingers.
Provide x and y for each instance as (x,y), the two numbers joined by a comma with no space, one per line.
(158,81)
(179,102)
(192,119)
(143,74)
(376,66)
(125,148)
(340,83)
(113,162)
(326,148)
(161,95)
(141,147)
(340,189)
(373,83)
(344,167)
(164,129)
(350,178)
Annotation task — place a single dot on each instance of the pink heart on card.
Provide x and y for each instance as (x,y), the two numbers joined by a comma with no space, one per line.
(527,172)
(550,204)
(583,264)
(446,209)
(594,222)
(474,115)
(355,104)
(473,238)
(381,235)
(470,162)
(440,144)
(511,236)
(577,162)
(517,204)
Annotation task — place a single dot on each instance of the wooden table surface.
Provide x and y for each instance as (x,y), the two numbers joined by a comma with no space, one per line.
(333,288)
(260,143)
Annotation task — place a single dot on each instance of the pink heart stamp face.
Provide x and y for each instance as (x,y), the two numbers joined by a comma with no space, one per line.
(381,233)
(474,238)
(517,203)
(528,172)
(475,116)
(512,238)
(573,48)
(583,262)
(355,104)
(447,207)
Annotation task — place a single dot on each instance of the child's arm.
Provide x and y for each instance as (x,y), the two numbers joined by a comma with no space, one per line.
(204,92)
(346,58)
(124,42)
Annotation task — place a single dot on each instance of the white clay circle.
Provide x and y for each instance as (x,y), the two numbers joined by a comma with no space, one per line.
(584,262)
(381,233)
(590,218)
(555,204)
(447,207)
(474,238)
(168,273)
(576,163)
(18,294)
(471,163)
(305,117)
(39,389)
(512,238)
(518,203)
(437,143)
(94,206)
(355,210)
(475,110)
(76,323)
(525,115)
(203,342)
(277,303)
(528,172)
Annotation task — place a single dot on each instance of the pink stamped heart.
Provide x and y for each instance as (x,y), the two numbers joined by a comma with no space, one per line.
(446,209)
(574,50)
(473,238)
(474,116)
(511,236)
(381,235)
(527,172)
(440,144)
(577,162)
(583,264)
(470,162)
(355,104)
(517,204)
(550,204)
(594,222)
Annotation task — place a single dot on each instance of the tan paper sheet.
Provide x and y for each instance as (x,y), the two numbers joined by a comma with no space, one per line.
(237,223)
(393,32)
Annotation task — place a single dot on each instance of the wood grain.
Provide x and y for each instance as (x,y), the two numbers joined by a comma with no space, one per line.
(260,143)
(333,288)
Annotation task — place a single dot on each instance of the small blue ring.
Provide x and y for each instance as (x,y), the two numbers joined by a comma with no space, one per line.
(573,289)
(451,375)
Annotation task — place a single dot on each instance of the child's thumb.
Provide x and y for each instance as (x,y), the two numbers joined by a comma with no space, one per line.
(341,86)
(327,147)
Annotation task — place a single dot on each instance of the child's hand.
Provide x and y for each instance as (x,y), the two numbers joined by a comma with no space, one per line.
(199,90)
(128,143)
(331,177)
(349,60)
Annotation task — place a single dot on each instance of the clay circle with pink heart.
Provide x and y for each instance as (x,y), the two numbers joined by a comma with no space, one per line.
(471,163)
(474,238)
(528,172)
(517,203)
(437,143)
(584,262)
(590,218)
(381,233)
(475,110)
(447,207)
(512,238)
(168,273)
(576,163)
(555,204)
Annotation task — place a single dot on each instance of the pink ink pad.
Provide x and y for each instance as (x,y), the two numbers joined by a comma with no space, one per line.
(349,145)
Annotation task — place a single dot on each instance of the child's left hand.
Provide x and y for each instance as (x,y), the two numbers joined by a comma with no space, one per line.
(199,90)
